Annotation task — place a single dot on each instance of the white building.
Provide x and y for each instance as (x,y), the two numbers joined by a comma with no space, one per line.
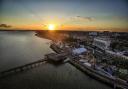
(102,43)
(117,55)
(78,51)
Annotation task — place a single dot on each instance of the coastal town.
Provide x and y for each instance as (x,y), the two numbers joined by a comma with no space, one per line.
(105,54)
(63,44)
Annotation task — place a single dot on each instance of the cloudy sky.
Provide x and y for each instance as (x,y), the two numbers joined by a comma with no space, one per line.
(65,14)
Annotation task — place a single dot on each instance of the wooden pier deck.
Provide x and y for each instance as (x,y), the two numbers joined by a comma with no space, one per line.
(22,68)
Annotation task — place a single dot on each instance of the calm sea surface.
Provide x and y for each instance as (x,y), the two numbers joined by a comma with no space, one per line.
(18,48)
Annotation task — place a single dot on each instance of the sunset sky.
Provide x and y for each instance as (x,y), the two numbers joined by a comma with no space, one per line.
(64,14)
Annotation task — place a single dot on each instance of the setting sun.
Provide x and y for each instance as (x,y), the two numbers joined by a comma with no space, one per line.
(51,27)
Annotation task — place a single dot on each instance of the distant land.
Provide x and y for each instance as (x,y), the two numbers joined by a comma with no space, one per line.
(126,30)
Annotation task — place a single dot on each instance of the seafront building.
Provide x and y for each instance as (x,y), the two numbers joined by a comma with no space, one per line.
(102,43)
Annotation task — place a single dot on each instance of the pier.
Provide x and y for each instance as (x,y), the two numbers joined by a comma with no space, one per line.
(22,68)
(48,57)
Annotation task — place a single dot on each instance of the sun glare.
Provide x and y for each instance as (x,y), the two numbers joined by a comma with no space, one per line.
(51,27)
